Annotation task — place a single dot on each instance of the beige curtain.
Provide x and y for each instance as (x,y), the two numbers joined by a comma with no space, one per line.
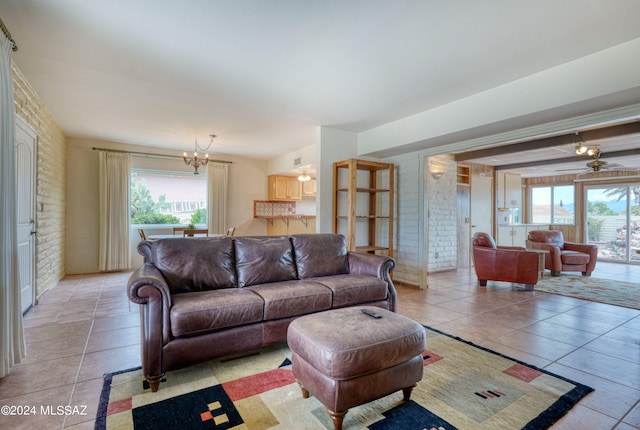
(12,344)
(217,190)
(115,171)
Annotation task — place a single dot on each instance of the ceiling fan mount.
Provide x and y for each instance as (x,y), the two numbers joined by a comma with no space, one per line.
(597,164)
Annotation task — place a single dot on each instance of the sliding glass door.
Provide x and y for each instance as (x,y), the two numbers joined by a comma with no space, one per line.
(613,221)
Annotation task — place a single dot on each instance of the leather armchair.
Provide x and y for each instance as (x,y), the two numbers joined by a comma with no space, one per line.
(503,263)
(563,256)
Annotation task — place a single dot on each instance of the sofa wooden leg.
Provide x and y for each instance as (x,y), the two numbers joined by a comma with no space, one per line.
(337,418)
(528,287)
(154,385)
(586,273)
(482,282)
(406,393)
(555,273)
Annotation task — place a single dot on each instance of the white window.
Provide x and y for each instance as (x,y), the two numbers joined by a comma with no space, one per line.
(163,197)
(553,204)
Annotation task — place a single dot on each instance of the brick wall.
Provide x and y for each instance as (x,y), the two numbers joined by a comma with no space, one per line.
(408,248)
(424,229)
(50,183)
(442,214)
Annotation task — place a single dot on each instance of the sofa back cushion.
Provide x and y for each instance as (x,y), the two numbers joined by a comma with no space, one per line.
(264,259)
(553,237)
(195,264)
(320,255)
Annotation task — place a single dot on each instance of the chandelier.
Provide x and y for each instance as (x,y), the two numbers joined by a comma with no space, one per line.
(304,177)
(195,161)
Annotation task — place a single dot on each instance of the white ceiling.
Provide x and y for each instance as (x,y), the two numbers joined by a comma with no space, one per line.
(262,74)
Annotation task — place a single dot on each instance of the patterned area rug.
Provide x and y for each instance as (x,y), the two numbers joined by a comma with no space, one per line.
(595,289)
(465,386)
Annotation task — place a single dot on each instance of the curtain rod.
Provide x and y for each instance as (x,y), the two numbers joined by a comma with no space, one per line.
(146,154)
(7,33)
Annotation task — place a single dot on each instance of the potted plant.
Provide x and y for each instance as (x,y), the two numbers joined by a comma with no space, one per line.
(191,226)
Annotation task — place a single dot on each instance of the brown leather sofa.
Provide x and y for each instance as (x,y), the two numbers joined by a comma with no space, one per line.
(563,256)
(203,298)
(503,263)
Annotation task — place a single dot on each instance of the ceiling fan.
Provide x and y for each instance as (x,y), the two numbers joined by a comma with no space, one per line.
(597,164)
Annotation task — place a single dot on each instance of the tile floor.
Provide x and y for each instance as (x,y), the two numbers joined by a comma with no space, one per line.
(86,327)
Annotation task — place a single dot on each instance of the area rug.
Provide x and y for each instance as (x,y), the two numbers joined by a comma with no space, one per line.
(601,290)
(465,386)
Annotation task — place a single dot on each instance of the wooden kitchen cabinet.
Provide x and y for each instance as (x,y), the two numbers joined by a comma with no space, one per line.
(284,188)
(309,188)
(509,190)
(516,235)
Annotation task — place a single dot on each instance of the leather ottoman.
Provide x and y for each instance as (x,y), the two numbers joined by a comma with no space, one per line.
(346,357)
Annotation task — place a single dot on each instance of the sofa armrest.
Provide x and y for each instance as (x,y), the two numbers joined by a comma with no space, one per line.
(592,250)
(379,266)
(147,274)
(512,248)
(148,288)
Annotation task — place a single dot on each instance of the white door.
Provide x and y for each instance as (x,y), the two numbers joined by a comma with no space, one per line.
(25,139)
(481,204)
(463,226)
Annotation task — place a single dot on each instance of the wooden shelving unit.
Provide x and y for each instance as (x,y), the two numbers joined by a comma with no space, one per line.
(462,175)
(363,201)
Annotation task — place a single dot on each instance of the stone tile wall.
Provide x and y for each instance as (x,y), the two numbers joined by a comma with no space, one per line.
(51,183)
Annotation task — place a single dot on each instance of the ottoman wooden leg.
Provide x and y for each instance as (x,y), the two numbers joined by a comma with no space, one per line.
(337,418)
(305,392)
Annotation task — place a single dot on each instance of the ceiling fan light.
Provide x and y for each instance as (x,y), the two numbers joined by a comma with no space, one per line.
(580,149)
(592,151)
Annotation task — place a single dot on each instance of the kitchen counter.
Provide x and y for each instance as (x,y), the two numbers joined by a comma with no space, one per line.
(285,216)
(524,225)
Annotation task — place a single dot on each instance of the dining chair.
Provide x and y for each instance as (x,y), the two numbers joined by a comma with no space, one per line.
(230,231)
(178,230)
(142,235)
(193,232)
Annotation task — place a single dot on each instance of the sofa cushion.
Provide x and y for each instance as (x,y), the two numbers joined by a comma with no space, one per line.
(292,298)
(320,255)
(354,289)
(206,311)
(265,259)
(195,264)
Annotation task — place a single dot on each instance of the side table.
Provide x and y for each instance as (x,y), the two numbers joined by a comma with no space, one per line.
(542,256)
